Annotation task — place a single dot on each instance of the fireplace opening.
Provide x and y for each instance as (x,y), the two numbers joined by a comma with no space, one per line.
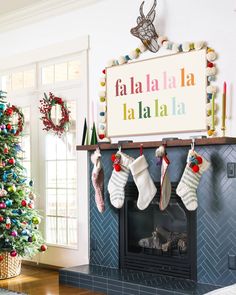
(162,242)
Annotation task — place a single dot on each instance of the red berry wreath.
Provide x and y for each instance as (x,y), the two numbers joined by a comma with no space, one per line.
(46,107)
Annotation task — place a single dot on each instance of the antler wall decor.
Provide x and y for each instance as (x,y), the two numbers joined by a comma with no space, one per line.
(145,30)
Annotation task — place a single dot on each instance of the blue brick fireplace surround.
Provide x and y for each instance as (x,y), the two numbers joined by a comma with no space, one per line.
(216,216)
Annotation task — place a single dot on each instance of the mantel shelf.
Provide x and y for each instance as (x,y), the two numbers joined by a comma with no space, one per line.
(154,144)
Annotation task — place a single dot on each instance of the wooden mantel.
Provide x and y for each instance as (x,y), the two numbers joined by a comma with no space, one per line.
(155,144)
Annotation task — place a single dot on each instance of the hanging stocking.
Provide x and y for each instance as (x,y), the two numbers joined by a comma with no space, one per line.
(97,180)
(143,181)
(119,178)
(165,181)
(187,188)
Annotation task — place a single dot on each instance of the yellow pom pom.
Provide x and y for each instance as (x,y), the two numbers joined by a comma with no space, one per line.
(102,99)
(102,83)
(210,50)
(210,132)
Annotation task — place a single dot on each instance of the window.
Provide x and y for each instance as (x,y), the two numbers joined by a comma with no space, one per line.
(61,184)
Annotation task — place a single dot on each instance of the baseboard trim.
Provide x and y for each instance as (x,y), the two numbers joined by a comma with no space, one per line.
(41,265)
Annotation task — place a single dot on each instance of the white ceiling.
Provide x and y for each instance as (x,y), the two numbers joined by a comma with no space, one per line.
(17,13)
(9,6)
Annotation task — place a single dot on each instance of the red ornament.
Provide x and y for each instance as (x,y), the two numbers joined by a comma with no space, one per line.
(9,127)
(13,253)
(104,71)
(1,258)
(5,151)
(23,203)
(1,218)
(9,111)
(8,226)
(43,248)
(31,205)
(195,168)
(113,157)
(101,136)
(117,167)
(11,161)
(199,159)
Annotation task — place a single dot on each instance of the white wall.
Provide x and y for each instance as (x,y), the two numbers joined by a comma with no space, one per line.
(108,24)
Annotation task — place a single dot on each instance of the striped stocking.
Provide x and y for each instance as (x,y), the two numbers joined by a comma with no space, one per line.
(187,187)
(118,181)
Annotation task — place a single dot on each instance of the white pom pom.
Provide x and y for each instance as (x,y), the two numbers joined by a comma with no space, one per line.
(211,89)
(186,46)
(142,47)
(175,47)
(199,45)
(102,119)
(133,54)
(102,94)
(121,60)
(111,63)
(209,107)
(102,107)
(101,127)
(211,56)
(210,71)
(161,39)
(160,151)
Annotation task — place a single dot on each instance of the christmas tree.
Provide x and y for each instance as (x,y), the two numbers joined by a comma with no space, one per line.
(19,221)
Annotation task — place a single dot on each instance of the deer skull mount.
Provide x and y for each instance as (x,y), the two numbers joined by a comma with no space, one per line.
(145,29)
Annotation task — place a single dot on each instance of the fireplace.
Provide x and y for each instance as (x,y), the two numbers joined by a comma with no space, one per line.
(161,242)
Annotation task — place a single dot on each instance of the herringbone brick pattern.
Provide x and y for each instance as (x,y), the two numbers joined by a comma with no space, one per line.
(216,215)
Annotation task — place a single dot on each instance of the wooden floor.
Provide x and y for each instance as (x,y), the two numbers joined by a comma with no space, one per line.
(39,281)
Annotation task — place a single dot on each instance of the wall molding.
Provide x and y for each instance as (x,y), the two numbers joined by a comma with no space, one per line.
(40,11)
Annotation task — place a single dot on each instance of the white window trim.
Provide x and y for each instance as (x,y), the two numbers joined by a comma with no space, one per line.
(80,45)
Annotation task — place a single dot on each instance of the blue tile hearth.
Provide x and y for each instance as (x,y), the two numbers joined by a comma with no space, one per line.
(113,281)
(216,218)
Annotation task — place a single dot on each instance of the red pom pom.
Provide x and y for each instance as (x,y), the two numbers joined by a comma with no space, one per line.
(113,157)
(1,218)
(5,150)
(117,167)
(195,168)
(104,71)
(210,64)
(199,159)
(101,136)
(1,258)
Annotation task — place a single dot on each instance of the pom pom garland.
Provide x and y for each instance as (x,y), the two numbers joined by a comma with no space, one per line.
(174,47)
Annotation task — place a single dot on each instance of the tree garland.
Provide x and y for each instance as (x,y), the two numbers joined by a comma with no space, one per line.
(46,108)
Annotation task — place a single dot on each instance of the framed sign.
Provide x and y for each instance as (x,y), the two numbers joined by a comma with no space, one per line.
(160,95)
